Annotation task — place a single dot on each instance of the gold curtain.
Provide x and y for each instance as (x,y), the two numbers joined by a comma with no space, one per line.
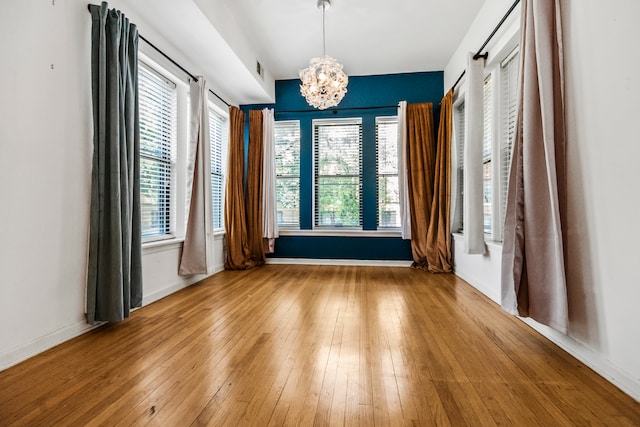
(420,171)
(237,256)
(254,188)
(439,234)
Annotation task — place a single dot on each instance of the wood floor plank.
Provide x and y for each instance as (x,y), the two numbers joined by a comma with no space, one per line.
(313,345)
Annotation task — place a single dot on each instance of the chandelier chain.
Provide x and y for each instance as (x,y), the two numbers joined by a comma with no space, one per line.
(324,39)
(324,83)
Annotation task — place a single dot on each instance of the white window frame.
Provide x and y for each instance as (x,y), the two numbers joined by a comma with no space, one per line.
(379,226)
(160,73)
(287,123)
(503,175)
(178,214)
(502,50)
(224,147)
(314,124)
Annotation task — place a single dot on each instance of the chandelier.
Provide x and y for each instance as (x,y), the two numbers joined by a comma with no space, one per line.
(323,82)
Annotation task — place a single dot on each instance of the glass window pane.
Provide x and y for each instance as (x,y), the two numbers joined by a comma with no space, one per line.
(286,135)
(157,112)
(338,179)
(339,201)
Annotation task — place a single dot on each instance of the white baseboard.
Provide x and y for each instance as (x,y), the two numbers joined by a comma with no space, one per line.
(155,296)
(593,360)
(15,355)
(353,262)
(489,292)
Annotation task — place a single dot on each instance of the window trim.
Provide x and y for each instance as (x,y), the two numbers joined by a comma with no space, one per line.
(504,52)
(213,108)
(334,121)
(299,176)
(394,120)
(161,73)
(169,72)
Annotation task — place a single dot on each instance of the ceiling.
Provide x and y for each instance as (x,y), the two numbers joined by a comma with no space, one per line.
(366,36)
(223,39)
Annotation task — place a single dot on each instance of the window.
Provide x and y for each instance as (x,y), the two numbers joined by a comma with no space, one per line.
(458,217)
(157,106)
(509,76)
(286,138)
(218,142)
(487,143)
(387,172)
(338,173)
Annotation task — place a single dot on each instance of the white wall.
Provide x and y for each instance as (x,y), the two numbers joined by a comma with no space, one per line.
(45,170)
(601,69)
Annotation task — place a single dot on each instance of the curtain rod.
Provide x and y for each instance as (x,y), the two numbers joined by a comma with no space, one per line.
(486,42)
(174,63)
(335,110)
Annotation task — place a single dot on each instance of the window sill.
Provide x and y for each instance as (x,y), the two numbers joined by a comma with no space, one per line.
(341,233)
(487,240)
(162,245)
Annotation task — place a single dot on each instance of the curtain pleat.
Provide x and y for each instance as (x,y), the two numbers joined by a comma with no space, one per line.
(114,277)
(420,172)
(269,209)
(195,256)
(533,259)
(439,233)
(403,190)
(473,203)
(237,249)
(254,188)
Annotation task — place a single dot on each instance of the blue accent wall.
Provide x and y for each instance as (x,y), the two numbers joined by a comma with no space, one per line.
(363,93)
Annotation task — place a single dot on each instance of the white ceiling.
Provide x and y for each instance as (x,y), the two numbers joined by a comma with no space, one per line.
(222,39)
(366,36)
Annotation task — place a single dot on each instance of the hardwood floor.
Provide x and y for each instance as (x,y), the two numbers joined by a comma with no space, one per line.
(313,345)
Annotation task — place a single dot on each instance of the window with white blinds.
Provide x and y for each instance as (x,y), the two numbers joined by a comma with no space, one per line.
(286,138)
(338,173)
(157,108)
(458,217)
(387,172)
(487,143)
(509,88)
(218,130)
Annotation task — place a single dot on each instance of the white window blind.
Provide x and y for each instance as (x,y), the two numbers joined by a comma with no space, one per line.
(509,106)
(286,136)
(218,130)
(157,107)
(338,173)
(387,172)
(458,217)
(486,153)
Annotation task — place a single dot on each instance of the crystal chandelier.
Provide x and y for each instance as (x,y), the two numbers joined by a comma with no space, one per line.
(323,82)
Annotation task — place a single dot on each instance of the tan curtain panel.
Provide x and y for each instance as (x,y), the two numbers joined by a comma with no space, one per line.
(533,266)
(237,253)
(254,188)
(439,233)
(194,250)
(420,172)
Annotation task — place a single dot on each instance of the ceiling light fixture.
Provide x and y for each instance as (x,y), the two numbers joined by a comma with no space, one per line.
(323,82)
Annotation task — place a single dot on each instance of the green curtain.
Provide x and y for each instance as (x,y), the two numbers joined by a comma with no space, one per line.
(114,279)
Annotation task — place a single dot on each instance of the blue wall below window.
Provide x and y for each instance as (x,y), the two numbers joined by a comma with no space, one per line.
(367,97)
